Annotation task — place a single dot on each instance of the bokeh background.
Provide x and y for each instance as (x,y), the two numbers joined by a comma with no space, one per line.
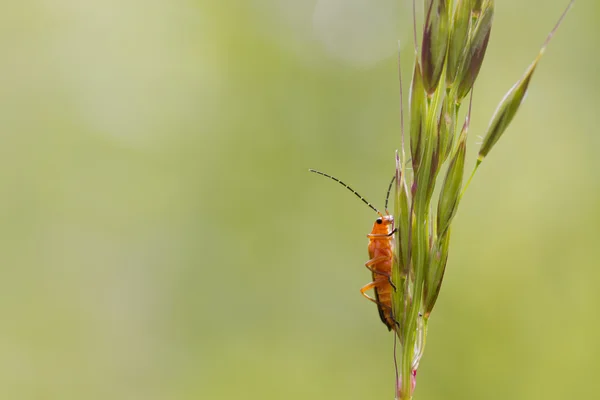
(161,237)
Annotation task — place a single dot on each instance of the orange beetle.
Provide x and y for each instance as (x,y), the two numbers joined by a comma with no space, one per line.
(381,254)
(381,245)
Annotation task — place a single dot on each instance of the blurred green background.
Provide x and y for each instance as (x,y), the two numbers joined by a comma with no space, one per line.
(161,237)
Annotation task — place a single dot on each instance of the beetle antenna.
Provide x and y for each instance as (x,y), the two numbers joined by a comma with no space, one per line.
(347,187)
(387,196)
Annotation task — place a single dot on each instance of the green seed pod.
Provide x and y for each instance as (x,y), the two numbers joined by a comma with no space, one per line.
(450,192)
(401,215)
(505,113)
(459,33)
(446,128)
(435,272)
(512,100)
(475,51)
(418,110)
(401,263)
(435,43)
(436,155)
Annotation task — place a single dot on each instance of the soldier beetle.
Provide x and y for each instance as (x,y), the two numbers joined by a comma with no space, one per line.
(381,254)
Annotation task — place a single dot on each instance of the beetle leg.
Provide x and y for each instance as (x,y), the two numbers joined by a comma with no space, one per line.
(370,286)
(378,235)
(376,260)
(369,264)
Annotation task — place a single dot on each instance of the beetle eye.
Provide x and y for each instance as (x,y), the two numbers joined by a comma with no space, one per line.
(379,221)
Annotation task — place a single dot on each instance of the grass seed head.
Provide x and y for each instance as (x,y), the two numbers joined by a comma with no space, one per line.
(435,43)
(446,126)
(505,113)
(475,51)
(455,38)
(418,107)
(511,102)
(459,33)
(450,192)
(435,273)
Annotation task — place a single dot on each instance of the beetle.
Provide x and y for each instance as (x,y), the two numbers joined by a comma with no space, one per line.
(381,257)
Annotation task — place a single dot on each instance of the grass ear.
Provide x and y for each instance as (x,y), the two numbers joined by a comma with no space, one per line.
(455,39)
